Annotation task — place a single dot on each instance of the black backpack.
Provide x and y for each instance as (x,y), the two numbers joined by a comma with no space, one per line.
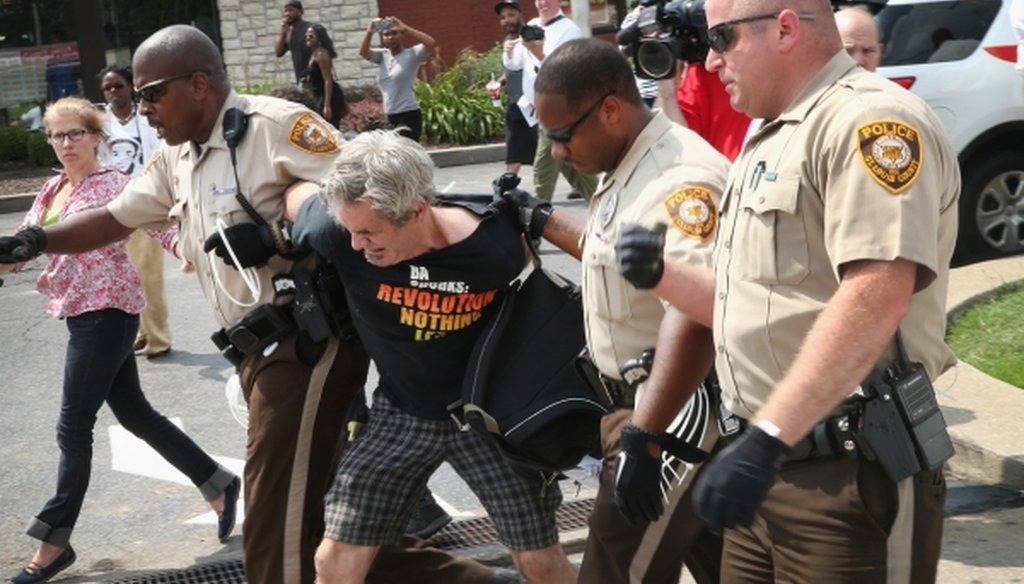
(522,388)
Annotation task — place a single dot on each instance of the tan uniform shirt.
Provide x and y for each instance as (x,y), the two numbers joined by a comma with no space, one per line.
(856,169)
(194,185)
(669,175)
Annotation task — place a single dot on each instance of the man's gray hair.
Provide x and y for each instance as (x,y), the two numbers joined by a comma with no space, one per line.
(389,172)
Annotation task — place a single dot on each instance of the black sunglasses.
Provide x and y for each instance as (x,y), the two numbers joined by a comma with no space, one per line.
(564,135)
(152,92)
(722,36)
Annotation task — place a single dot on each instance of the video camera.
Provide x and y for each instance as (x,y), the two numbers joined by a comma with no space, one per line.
(666,31)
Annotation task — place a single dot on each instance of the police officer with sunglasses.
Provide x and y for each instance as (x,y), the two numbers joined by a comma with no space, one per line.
(837,229)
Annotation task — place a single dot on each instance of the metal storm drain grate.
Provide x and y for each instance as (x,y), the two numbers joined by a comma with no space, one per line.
(468,533)
(456,536)
(227,572)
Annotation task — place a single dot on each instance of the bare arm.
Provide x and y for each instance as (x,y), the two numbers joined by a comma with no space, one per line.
(690,289)
(364,47)
(281,44)
(682,358)
(418,35)
(564,231)
(667,100)
(843,345)
(296,195)
(323,60)
(85,231)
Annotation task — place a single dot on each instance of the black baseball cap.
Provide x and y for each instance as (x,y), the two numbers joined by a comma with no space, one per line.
(294,4)
(512,3)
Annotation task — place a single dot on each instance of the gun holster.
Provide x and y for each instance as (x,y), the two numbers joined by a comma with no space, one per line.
(254,332)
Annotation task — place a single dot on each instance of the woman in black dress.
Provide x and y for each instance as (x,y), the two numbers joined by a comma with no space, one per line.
(330,100)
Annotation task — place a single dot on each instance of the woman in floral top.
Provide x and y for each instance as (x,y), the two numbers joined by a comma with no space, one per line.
(99,296)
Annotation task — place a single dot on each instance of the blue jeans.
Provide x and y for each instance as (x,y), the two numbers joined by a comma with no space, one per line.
(100,367)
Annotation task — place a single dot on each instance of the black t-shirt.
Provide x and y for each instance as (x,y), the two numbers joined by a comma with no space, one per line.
(297,46)
(419,319)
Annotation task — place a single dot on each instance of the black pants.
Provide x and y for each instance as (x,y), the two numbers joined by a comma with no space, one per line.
(408,124)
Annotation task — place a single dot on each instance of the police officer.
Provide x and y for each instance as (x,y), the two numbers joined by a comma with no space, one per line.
(654,171)
(837,228)
(297,389)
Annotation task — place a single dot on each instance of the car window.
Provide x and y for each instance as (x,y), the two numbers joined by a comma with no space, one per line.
(934,32)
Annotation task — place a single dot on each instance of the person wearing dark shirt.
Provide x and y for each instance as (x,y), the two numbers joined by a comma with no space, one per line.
(293,37)
(421,281)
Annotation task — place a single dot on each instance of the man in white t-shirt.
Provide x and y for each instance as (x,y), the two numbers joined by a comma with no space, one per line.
(528,56)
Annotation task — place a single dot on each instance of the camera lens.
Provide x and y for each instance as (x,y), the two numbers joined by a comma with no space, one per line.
(655,59)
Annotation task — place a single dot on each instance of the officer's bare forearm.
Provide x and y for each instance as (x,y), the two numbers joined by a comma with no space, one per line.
(85,231)
(689,288)
(682,358)
(844,343)
(564,231)
(297,194)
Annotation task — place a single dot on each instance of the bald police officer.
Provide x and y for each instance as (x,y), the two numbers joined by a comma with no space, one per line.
(654,172)
(297,389)
(837,227)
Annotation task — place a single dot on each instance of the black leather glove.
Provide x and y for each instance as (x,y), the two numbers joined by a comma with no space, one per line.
(253,244)
(638,475)
(22,246)
(735,484)
(639,252)
(529,212)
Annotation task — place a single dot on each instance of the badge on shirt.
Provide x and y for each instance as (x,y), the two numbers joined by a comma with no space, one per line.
(891,151)
(310,134)
(692,210)
(607,211)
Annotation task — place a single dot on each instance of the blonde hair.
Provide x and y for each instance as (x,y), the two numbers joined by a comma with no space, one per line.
(87,113)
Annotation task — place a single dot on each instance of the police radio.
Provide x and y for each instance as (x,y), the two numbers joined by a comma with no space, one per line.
(235,123)
(902,426)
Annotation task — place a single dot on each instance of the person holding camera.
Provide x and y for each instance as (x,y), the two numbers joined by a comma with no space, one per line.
(397,66)
(652,171)
(520,135)
(833,254)
(540,37)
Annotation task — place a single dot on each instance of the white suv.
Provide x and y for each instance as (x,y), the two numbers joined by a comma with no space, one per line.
(960,57)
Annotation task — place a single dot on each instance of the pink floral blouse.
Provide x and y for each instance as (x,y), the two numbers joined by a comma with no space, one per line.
(95,280)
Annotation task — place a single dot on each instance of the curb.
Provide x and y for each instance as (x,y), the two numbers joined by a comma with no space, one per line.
(982,411)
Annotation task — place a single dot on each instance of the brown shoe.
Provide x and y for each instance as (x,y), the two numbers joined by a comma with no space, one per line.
(140,344)
(157,354)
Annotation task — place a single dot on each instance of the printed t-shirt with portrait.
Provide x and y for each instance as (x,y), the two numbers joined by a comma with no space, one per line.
(857,168)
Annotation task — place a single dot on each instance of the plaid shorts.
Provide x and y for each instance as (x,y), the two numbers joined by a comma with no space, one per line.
(383,472)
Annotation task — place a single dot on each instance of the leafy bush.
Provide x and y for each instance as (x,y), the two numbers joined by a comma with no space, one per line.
(364,115)
(39,150)
(455,105)
(13,144)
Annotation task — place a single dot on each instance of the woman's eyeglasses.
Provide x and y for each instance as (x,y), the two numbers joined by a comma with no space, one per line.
(723,35)
(57,138)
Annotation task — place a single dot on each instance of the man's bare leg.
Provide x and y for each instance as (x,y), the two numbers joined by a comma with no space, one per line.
(338,562)
(546,565)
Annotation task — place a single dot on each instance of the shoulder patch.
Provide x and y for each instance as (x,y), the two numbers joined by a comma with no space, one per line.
(692,211)
(311,134)
(891,152)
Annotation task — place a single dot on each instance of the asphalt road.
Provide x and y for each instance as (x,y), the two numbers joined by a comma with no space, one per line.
(140,516)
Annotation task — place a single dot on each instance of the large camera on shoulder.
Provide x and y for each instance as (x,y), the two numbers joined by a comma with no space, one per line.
(666,31)
(532,32)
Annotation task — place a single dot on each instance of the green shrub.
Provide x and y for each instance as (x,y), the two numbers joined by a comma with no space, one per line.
(13,144)
(455,105)
(39,150)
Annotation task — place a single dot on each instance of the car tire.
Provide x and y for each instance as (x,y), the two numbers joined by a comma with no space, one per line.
(992,207)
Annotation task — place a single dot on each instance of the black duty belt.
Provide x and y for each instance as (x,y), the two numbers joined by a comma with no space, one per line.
(833,437)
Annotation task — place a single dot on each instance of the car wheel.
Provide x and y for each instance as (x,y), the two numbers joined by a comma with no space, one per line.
(992,207)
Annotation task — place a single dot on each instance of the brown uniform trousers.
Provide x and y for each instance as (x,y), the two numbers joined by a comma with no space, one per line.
(296,423)
(823,517)
(615,547)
